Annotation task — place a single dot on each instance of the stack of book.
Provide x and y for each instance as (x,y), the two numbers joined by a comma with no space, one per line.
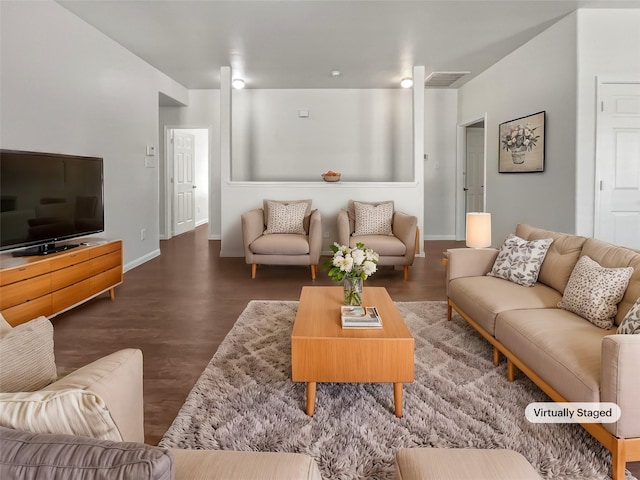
(360,317)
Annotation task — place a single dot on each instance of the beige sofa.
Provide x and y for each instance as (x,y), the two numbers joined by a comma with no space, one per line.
(569,358)
(111,390)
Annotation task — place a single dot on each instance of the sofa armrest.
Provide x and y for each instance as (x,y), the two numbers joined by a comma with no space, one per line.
(117,379)
(404,227)
(226,464)
(469,262)
(619,382)
(252,228)
(344,230)
(315,237)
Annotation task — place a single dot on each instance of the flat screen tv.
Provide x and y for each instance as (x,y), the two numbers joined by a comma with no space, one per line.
(48,197)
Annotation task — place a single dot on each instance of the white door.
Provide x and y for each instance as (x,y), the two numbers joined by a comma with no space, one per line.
(474,170)
(184,201)
(617,215)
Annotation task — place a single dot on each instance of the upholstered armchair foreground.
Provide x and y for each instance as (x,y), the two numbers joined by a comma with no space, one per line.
(390,233)
(282,233)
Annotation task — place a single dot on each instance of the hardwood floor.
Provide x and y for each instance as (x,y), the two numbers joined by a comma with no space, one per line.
(179,307)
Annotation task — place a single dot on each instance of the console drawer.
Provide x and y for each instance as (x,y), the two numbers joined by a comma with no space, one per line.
(69,296)
(23,272)
(77,256)
(28,311)
(69,276)
(105,262)
(24,291)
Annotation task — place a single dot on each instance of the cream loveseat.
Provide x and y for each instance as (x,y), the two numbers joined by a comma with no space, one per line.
(568,357)
(89,424)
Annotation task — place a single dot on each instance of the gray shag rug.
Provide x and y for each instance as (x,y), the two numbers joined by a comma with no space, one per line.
(245,400)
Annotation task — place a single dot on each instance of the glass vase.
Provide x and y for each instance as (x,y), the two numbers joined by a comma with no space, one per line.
(352,291)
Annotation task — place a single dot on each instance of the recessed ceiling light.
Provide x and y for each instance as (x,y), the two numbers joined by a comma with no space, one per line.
(406,82)
(237,83)
(335,73)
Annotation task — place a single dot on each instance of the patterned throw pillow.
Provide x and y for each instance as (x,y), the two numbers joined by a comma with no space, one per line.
(373,219)
(519,260)
(631,321)
(286,218)
(593,292)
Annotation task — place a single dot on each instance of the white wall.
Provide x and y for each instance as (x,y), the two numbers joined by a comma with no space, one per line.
(203,111)
(608,46)
(540,75)
(67,88)
(440,112)
(363,133)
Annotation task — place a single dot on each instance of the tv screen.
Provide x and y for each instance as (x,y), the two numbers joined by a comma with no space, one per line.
(47,197)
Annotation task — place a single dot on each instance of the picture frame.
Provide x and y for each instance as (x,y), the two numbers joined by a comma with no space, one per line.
(521,144)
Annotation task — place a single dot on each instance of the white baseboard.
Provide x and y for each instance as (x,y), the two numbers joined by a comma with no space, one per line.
(202,222)
(216,236)
(139,261)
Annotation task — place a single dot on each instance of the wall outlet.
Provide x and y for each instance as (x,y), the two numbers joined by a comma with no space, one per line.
(143,233)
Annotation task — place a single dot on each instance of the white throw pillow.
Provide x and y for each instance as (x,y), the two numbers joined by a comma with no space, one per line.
(373,219)
(593,291)
(70,411)
(519,260)
(631,321)
(286,218)
(27,361)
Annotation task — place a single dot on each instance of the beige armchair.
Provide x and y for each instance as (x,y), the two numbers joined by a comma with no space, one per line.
(282,233)
(394,243)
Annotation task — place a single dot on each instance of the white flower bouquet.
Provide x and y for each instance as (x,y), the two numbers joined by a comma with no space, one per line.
(358,262)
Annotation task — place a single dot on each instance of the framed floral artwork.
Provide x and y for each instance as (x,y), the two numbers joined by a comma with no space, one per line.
(521,144)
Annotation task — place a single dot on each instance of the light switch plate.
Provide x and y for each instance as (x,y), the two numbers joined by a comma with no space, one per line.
(151,150)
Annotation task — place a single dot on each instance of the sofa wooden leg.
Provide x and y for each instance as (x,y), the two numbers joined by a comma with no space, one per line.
(253,270)
(496,356)
(313,272)
(406,273)
(511,370)
(618,460)
(449,311)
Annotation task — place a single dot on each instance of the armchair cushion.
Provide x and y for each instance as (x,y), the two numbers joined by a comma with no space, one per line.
(29,455)
(383,245)
(372,218)
(285,218)
(70,411)
(280,244)
(27,362)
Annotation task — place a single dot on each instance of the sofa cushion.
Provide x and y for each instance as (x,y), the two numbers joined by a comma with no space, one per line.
(70,411)
(373,219)
(286,218)
(383,245)
(593,291)
(483,298)
(519,260)
(560,346)
(225,465)
(561,256)
(27,361)
(631,321)
(280,244)
(612,256)
(28,456)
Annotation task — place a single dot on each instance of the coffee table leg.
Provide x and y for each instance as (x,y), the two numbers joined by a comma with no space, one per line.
(311,398)
(397,398)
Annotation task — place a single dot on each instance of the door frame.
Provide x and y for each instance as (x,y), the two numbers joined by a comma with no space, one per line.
(460,164)
(602,80)
(167,188)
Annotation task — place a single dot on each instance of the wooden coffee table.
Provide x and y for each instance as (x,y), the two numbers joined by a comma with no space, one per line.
(322,351)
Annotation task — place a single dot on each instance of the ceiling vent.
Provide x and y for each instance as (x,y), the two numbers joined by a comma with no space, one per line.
(443,79)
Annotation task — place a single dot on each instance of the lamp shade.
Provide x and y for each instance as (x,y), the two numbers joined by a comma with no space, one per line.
(478,229)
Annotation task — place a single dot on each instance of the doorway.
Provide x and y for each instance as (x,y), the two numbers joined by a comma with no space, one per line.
(471,180)
(187,179)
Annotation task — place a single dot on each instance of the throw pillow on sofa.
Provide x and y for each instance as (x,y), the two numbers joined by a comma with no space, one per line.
(286,218)
(373,219)
(631,322)
(593,291)
(27,362)
(519,260)
(30,455)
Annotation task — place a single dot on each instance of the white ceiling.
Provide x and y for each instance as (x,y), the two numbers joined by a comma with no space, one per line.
(296,44)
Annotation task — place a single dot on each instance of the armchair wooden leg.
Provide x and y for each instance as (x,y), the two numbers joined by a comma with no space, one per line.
(449,310)
(511,370)
(313,271)
(253,270)
(496,357)
(406,273)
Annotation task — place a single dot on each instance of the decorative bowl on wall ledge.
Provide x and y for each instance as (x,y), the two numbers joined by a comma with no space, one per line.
(331,176)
